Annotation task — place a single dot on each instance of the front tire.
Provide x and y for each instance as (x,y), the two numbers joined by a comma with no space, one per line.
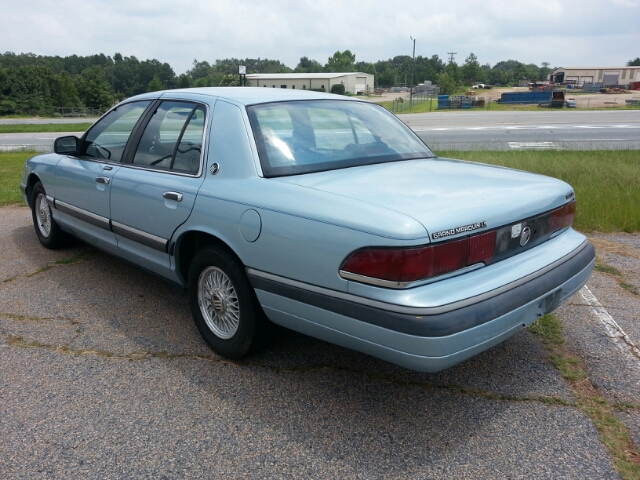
(49,233)
(224,305)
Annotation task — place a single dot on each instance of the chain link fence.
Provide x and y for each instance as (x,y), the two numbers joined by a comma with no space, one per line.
(406,104)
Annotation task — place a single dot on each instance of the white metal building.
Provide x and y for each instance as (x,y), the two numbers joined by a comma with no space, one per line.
(354,82)
(609,76)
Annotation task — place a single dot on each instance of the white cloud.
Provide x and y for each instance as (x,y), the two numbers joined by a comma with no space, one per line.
(560,32)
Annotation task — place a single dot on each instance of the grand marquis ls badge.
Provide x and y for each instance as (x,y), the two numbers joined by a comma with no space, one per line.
(462,229)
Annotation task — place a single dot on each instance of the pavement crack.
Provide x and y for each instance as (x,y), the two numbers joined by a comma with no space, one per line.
(21,342)
(24,318)
(61,262)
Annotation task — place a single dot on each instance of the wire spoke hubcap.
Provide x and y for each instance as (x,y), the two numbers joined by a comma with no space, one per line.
(43,215)
(218,302)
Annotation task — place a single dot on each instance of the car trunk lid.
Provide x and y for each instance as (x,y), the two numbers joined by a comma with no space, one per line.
(450,198)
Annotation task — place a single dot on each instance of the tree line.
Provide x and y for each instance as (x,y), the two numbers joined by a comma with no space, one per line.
(36,84)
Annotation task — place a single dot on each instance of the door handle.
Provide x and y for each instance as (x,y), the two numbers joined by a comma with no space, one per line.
(173,196)
(103,180)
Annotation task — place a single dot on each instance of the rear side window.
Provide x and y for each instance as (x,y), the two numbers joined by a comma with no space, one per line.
(108,137)
(298,137)
(172,139)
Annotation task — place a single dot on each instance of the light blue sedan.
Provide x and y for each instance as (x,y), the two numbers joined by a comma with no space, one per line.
(316,212)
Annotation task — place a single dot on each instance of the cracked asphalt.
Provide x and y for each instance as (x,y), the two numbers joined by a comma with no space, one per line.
(104,375)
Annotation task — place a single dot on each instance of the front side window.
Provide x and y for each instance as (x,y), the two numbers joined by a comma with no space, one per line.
(108,137)
(310,136)
(172,139)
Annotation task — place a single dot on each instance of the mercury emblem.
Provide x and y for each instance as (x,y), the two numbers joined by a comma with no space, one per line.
(525,236)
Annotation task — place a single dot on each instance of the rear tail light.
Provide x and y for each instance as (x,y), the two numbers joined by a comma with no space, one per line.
(481,247)
(402,266)
(563,217)
(407,264)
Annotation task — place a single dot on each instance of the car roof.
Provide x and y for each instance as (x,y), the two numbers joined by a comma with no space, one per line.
(245,95)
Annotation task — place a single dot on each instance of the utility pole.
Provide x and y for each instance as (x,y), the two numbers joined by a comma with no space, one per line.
(413,65)
(451,54)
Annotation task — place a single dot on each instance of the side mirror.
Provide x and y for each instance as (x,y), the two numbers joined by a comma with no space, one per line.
(66,145)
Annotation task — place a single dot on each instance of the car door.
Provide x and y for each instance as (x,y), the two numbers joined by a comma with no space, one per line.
(83,181)
(154,192)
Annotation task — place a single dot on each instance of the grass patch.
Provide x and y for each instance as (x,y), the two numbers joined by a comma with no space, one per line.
(548,329)
(630,288)
(81,255)
(614,434)
(606,182)
(601,267)
(11,168)
(44,127)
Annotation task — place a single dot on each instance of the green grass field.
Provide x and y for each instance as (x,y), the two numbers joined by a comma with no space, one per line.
(11,168)
(607,182)
(44,127)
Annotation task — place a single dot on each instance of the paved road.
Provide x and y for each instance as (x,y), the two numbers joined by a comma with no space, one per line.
(549,129)
(485,130)
(103,375)
(40,142)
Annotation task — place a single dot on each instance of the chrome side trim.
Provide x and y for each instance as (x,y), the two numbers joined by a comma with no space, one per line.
(418,311)
(83,215)
(147,239)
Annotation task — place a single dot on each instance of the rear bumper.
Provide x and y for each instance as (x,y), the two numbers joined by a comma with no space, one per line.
(426,339)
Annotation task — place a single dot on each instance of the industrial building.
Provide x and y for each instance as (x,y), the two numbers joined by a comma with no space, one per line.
(607,76)
(354,82)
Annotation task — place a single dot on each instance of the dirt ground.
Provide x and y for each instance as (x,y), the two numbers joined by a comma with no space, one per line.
(583,100)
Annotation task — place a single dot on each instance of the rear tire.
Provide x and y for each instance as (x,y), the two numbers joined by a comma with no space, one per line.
(47,230)
(224,306)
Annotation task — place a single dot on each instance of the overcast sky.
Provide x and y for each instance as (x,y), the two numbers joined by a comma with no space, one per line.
(560,32)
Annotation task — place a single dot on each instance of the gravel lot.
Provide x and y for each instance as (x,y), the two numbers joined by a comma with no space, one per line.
(104,375)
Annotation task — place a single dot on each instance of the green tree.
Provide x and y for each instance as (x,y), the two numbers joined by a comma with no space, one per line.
(148,69)
(447,83)
(471,71)
(65,93)
(155,84)
(453,70)
(634,63)
(341,62)
(508,72)
(305,65)
(94,90)
(199,70)
(544,71)
(183,81)
(28,89)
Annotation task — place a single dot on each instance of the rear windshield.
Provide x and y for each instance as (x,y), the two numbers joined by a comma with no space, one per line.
(311,136)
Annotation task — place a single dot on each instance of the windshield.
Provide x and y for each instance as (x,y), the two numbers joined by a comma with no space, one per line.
(311,136)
